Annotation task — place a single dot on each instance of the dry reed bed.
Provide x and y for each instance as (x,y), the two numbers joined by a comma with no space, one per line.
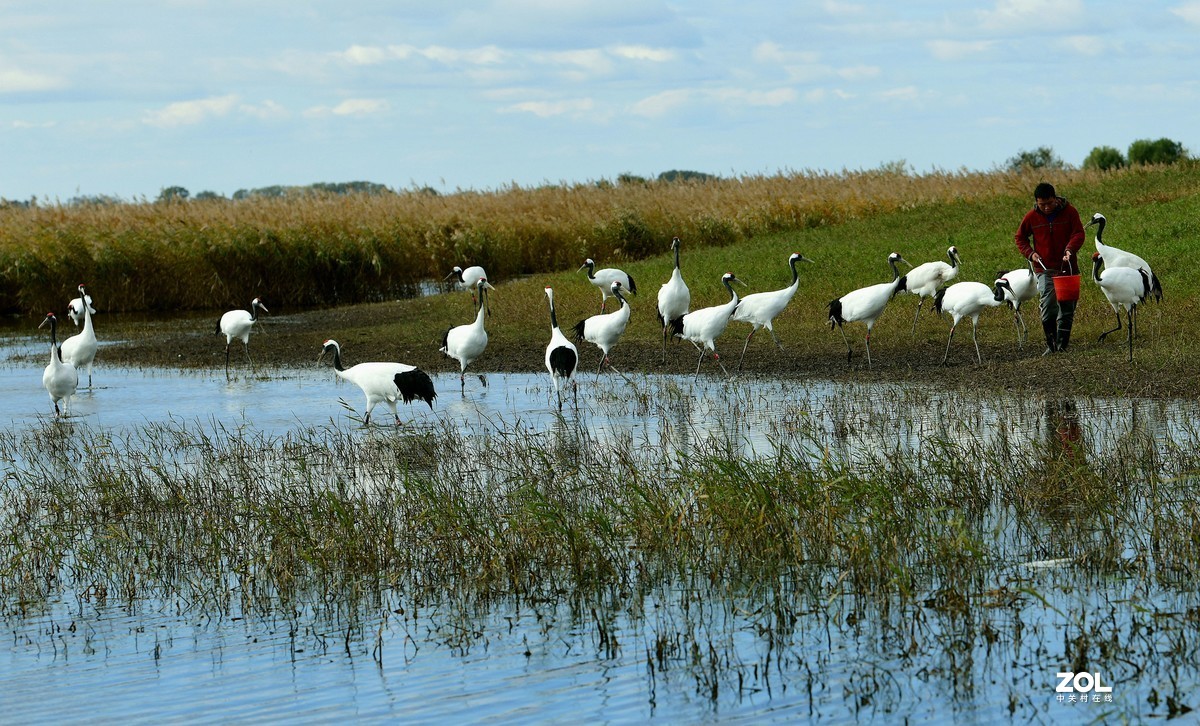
(320,249)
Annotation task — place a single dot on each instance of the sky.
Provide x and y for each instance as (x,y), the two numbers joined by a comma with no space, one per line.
(124,99)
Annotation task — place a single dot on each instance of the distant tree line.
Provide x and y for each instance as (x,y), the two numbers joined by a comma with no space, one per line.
(1104,158)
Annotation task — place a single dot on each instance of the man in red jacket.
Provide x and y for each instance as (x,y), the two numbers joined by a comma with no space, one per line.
(1049,236)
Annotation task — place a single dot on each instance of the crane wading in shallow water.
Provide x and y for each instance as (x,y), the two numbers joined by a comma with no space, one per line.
(238,324)
(561,356)
(606,329)
(80,349)
(1022,287)
(60,379)
(383,382)
(465,343)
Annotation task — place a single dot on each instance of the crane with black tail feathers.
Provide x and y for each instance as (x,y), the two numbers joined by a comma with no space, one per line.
(968,300)
(465,343)
(1124,289)
(604,278)
(927,278)
(1114,257)
(606,329)
(1022,287)
(60,378)
(702,327)
(674,298)
(866,304)
(383,382)
(80,349)
(561,356)
(238,324)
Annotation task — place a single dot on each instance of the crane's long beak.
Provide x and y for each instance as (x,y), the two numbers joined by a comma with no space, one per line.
(43,323)
(447,277)
(322,356)
(582,267)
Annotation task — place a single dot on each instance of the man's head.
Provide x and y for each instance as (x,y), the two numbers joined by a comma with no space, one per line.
(1045,196)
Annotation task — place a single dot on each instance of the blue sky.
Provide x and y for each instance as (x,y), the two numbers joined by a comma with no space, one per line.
(126,98)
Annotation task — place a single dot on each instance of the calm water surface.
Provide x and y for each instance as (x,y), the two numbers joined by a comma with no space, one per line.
(80,659)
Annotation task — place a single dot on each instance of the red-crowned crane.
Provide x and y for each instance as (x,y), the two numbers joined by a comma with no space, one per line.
(60,378)
(702,327)
(238,324)
(561,356)
(1022,287)
(926,279)
(674,298)
(1124,289)
(383,382)
(465,343)
(80,349)
(968,300)
(468,279)
(760,308)
(604,279)
(1114,257)
(75,308)
(865,304)
(606,329)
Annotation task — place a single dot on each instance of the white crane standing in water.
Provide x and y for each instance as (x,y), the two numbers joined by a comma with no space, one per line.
(562,358)
(465,343)
(60,378)
(80,349)
(383,382)
(237,324)
(606,329)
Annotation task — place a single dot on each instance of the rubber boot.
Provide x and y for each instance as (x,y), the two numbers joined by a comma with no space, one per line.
(1050,328)
(1064,337)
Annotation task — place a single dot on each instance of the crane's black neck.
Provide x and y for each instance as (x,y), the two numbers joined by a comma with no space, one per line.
(675,244)
(729,286)
(254,313)
(591,270)
(553,317)
(795,272)
(1100,230)
(337,358)
(1096,263)
(895,270)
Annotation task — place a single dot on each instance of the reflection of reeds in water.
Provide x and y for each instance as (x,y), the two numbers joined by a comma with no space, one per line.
(862,512)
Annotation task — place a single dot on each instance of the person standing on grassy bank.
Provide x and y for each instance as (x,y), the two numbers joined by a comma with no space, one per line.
(1050,236)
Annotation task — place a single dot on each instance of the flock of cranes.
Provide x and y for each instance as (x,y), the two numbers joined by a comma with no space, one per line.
(1124,278)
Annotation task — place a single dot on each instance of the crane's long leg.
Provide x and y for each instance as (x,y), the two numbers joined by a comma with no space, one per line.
(717,358)
(975,340)
(1129,320)
(775,338)
(947,355)
(849,353)
(1021,329)
(868,347)
(920,302)
(699,361)
(603,359)
(745,346)
(1114,329)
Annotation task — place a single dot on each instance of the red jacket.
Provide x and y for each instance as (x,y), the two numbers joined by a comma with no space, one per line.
(1052,234)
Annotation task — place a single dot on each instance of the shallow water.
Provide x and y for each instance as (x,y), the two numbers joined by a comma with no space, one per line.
(82,659)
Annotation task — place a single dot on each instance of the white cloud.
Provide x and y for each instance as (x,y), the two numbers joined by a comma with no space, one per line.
(953,50)
(350,107)
(904,93)
(843,9)
(769,52)
(188,113)
(1189,12)
(545,109)
(642,52)
(776,97)
(265,111)
(1023,15)
(1087,45)
(661,104)
(859,73)
(369,55)
(15,80)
